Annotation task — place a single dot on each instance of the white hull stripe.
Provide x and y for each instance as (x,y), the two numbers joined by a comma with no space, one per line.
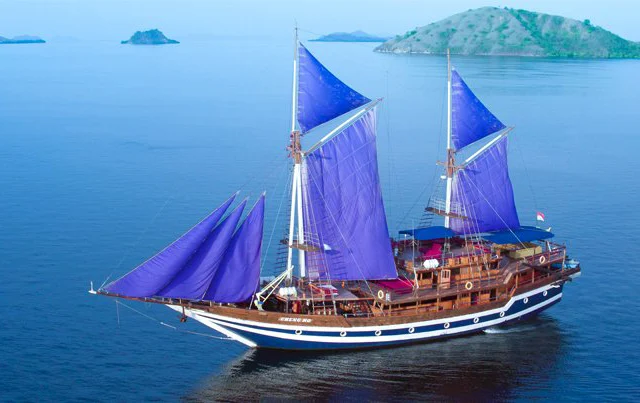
(383,338)
(373,328)
(354,335)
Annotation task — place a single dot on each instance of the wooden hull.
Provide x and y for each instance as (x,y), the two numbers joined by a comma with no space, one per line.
(314,332)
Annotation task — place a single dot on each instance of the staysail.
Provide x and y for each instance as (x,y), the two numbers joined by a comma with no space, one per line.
(321,95)
(483,190)
(344,210)
(208,262)
(151,276)
(239,274)
(470,119)
(193,280)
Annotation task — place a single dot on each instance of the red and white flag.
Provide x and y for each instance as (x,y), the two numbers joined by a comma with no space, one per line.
(539,216)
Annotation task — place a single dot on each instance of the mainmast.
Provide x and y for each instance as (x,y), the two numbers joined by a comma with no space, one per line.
(295,149)
(450,163)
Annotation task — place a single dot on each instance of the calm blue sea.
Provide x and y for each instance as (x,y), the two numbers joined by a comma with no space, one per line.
(109,152)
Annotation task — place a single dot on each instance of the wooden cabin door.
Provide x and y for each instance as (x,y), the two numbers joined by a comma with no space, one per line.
(445,278)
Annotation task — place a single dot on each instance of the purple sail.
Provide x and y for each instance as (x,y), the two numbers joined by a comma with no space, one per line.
(194,279)
(321,95)
(151,276)
(344,213)
(238,277)
(484,191)
(470,119)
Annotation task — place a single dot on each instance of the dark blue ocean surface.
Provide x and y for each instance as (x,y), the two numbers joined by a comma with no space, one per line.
(109,152)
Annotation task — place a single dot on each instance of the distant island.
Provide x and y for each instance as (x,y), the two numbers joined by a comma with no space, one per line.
(21,39)
(356,36)
(151,37)
(511,32)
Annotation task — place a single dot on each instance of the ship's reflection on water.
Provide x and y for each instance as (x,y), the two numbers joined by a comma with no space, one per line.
(486,366)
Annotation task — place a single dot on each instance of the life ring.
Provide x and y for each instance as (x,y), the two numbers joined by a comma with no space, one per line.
(380,294)
(542,259)
(468,286)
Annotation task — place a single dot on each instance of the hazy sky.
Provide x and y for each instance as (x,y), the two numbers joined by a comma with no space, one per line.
(117,19)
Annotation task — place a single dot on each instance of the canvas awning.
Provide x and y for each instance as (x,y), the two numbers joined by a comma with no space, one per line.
(428,233)
(522,234)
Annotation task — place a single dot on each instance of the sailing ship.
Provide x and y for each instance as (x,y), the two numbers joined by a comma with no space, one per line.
(344,282)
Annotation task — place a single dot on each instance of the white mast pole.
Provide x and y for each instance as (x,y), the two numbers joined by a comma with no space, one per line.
(294,91)
(449,166)
(296,186)
(292,218)
(298,163)
(301,259)
(294,140)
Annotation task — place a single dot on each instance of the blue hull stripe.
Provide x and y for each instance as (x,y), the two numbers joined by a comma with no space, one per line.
(282,344)
(305,337)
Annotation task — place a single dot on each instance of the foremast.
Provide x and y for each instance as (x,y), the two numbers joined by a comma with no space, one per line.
(323,217)
(295,150)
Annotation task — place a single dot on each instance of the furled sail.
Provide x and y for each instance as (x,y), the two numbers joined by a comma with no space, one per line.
(151,276)
(238,277)
(195,277)
(470,119)
(484,191)
(321,95)
(344,211)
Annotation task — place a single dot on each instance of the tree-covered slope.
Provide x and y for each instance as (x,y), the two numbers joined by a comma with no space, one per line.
(503,31)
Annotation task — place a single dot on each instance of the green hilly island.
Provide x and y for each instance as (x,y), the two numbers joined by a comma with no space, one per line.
(511,32)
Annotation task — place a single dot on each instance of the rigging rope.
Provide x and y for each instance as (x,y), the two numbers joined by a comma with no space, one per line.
(273,229)
(391,167)
(335,222)
(118,303)
(169,198)
(526,172)
(428,185)
(498,215)
(135,244)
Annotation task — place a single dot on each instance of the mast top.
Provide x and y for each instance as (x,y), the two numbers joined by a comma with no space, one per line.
(448,64)
(294,89)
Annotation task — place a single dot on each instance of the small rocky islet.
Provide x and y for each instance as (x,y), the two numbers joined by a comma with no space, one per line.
(151,37)
(356,36)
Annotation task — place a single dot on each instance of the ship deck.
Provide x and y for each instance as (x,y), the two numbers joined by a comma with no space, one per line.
(484,279)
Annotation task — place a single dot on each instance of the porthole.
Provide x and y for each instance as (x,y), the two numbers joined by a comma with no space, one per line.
(343,333)
(298,332)
(526,300)
(502,314)
(411,330)
(378,332)
(544,294)
(476,320)
(446,325)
